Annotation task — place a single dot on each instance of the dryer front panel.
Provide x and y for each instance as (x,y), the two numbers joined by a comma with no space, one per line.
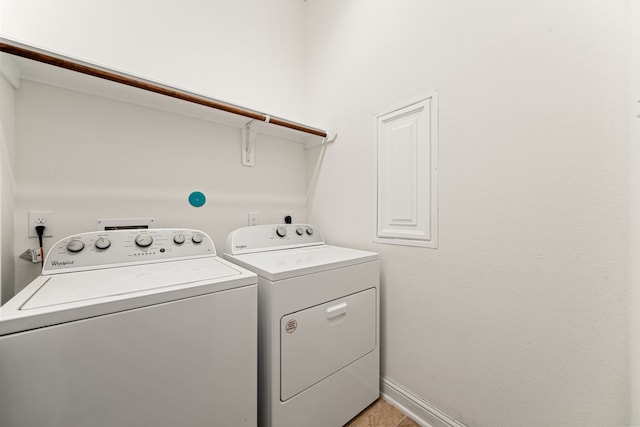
(321,340)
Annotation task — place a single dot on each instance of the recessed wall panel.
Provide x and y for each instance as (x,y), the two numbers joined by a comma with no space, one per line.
(400,185)
(407,172)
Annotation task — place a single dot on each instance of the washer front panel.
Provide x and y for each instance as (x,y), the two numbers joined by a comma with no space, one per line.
(190,362)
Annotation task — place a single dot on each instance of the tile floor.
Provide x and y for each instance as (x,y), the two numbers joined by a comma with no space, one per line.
(381,414)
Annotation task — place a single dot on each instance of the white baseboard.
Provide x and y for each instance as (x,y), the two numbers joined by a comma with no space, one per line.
(422,412)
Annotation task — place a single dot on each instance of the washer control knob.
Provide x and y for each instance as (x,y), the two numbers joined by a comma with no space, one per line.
(299,231)
(196,238)
(75,245)
(144,240)
(103,243)
(281,231)
(178,239)
(310,231)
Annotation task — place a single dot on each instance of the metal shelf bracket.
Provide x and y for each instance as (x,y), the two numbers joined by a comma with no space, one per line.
(332,135)
(248,144)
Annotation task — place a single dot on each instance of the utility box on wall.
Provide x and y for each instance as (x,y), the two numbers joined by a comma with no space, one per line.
(407,174)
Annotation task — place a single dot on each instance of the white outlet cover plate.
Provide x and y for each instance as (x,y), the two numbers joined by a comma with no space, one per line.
(34,218)
(252,219)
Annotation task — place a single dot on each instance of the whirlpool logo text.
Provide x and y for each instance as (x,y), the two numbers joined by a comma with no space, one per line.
(60,263)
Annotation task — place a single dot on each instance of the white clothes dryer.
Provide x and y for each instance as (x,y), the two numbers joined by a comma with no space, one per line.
(131,328)
(318,327)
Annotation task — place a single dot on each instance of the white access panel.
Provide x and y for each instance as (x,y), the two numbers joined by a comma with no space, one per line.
(407,141)
(321,340)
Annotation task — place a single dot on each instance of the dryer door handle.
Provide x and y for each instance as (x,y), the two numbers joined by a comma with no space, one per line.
(336,310)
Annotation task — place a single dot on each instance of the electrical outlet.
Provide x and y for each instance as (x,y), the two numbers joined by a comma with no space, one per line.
(253,218)
(40,218)
(286,215)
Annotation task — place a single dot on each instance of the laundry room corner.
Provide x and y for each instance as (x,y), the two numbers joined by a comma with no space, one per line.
(189,116)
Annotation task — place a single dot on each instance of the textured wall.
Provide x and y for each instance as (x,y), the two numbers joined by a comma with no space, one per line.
(247,52)
(7,166)
(519,318)
(634,235)
(86,157)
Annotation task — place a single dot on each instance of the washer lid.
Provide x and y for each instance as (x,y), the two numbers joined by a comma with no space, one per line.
(287,263)
(94,284)
(65,297)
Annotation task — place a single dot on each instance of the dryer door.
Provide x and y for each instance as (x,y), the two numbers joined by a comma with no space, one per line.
(321,340)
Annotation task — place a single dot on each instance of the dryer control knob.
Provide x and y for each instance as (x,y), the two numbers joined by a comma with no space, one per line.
(196,238)
(144,240)
(299,231)
(281,231)
(310,231)
(103,243)
(178,239)
(75,245)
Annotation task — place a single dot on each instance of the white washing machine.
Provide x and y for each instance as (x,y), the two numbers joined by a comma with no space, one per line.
(131,328)
(318,334)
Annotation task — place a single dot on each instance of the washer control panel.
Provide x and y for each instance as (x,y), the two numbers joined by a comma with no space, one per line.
(102,249)
(262,238)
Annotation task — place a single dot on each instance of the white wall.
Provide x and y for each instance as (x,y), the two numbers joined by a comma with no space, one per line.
(7,162)
(86,157)
(519,318)
(634,258)
(247,52)
(244,51)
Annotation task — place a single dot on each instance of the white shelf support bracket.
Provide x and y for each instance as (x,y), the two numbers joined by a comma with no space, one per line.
(332,135)
(248,145)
